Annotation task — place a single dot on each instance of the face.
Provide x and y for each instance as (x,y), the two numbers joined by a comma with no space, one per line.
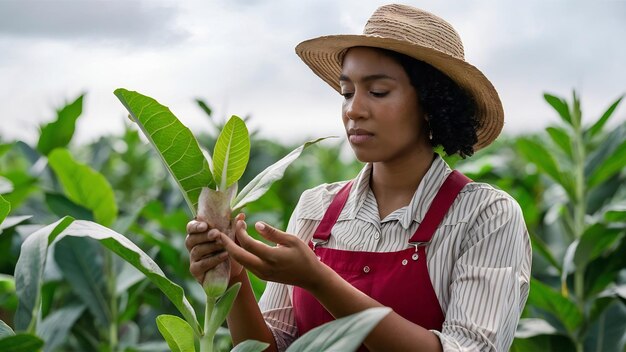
(380,109)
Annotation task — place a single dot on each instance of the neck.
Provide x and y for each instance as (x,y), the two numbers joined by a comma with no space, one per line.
(395,182)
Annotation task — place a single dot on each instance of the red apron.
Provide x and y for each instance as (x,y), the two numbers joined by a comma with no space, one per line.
(398,280)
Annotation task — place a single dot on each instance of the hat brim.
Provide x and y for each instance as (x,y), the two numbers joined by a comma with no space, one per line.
(324,56)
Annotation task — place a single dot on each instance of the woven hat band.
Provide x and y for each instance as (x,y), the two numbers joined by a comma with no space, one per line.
(418,27)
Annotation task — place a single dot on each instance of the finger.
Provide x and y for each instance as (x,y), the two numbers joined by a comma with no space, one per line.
(195,226)
(241,255)
(273,234)
(193,240)
(250,244)
(206,249)
(198,268)
(240,216)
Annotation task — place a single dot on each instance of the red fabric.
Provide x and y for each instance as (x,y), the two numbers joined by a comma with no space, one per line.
(406,288)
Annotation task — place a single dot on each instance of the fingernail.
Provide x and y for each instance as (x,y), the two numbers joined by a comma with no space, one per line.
(260,226)
(201,226)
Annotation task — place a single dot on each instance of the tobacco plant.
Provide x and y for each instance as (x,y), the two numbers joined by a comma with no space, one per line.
(101,285)
(578,291)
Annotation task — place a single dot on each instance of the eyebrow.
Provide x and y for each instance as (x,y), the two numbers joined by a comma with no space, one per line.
(344,78)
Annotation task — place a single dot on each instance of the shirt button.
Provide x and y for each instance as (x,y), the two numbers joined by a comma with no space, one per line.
(377,236)
(404,262)
(366,269)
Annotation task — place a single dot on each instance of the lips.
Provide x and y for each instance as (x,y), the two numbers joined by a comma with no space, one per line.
(359,135)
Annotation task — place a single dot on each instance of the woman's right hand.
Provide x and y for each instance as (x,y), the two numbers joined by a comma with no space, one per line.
(204,253)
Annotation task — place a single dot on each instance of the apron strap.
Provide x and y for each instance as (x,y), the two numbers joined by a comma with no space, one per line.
(322,233)
(446,195)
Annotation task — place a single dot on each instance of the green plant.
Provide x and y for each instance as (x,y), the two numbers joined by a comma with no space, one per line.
(577,292)
(96,277)
(209,186)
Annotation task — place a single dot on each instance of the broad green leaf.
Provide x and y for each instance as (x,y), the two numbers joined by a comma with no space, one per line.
(539,246)
(8,298)
(345,334)
(222,307)
(5,208)
(530,327)
(132,254)
(604,270)
(543,343)
(602,194)
(607,333)
(598,307)
(29,268)
(29,273)
(231,153)
(54,329)
(560,105)
(11,221)
(616,215)
(262,182)
(174,143)
(540,156)
(596,239)
(544,297)
(598,125)
(611,165)
(5,330)
(81,263)
(6,186)
(177,333)
(250,346)
(606,149)
(561,139)
(85,186)
(23,185)
(21,343)
(620,291)
(59,133)
(62,206)
(126,277)
(5,147)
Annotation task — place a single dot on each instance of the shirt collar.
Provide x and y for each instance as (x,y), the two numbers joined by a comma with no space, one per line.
(417,208)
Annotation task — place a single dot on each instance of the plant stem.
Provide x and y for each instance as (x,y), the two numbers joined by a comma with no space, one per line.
(111,287)
(206,342)
(580,210)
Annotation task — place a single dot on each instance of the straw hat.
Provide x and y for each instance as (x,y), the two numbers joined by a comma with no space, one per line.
(418,34)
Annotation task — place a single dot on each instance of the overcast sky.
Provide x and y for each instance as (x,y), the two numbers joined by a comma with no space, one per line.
(239,57)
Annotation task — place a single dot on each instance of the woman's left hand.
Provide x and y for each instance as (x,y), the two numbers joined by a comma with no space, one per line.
(290,262)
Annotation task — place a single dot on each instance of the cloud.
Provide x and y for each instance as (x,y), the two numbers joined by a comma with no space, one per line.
(239,56)
(133,22)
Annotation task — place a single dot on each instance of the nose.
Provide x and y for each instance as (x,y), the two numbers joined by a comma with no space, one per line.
(356,107)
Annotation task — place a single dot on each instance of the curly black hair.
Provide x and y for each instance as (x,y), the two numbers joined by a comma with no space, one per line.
(450,111)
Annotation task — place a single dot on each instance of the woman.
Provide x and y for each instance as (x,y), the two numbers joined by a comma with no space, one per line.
(450,256)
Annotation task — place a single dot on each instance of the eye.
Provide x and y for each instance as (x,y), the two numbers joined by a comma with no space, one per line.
(347,95)
(379,94)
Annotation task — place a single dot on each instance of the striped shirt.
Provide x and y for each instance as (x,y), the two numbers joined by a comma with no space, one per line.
(478,260)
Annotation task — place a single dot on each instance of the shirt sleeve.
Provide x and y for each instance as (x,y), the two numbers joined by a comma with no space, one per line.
(276,306)
(489,282)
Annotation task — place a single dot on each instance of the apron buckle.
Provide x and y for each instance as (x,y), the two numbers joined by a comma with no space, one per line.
(317,242)
(418,244)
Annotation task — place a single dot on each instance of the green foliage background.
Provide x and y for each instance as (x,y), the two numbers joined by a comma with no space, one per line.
(569,181)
